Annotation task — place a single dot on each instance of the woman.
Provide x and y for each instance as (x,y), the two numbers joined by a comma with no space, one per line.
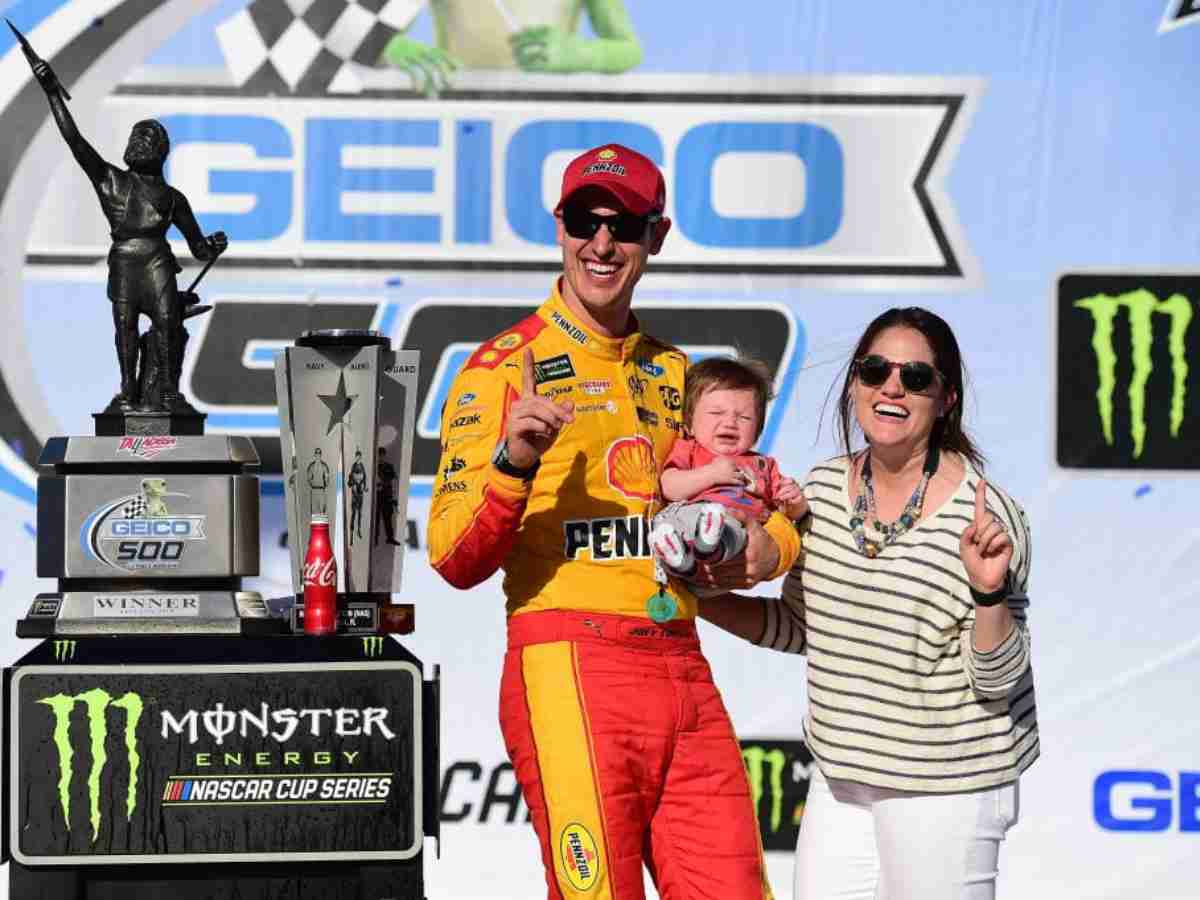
(910,604)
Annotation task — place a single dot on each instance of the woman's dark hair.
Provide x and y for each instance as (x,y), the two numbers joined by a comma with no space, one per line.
(948,431)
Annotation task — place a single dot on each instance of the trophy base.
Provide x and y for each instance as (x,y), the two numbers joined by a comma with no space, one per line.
(361,614)
(141,612)
(115,423)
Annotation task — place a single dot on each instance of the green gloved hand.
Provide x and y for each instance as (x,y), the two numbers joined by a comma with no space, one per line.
(546,49)
(428,67)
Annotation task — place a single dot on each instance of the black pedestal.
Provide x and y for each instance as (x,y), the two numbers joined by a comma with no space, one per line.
(230,882)
(149,818)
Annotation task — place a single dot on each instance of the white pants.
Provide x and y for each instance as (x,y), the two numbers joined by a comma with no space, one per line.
(864,843)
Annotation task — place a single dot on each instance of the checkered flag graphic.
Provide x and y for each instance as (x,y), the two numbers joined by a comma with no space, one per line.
(134,509)
(309,46)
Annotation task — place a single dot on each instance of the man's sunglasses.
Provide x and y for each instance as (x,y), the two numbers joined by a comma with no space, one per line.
(582,224)
(874,370)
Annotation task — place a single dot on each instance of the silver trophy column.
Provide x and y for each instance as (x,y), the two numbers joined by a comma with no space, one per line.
(347,415)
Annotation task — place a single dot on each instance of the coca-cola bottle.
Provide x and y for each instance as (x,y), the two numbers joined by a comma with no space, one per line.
(320,580)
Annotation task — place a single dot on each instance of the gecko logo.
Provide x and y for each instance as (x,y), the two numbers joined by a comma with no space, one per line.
(100,707)
(778,774)
(1123,372)
(372,646)
(580,857)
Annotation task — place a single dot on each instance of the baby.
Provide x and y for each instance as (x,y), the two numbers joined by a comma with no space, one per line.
(714,469)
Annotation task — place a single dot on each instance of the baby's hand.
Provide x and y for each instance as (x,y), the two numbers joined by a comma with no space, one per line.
(724,470)
(790,498)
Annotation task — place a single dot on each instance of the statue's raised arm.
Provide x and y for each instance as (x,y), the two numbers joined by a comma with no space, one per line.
(140,208)
(57,95)
(85,154)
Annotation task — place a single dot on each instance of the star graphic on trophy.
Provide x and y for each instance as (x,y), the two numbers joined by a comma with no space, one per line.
(339,403)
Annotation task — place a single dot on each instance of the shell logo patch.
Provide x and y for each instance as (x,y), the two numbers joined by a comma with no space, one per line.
(606,154)
(509,341)
(631,467)
(580,857)
(489,356)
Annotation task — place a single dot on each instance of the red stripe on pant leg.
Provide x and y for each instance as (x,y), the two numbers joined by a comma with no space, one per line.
(630,711)
(706,810)
(522,752)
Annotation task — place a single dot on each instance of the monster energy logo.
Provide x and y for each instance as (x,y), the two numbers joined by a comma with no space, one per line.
(64,651)
(1140,306)
(768,763)
(372,646)
(96,701)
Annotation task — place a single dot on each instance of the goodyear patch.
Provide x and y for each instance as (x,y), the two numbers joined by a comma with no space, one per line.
(492,353)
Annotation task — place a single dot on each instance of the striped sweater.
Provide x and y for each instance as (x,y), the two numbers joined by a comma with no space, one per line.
(897,695)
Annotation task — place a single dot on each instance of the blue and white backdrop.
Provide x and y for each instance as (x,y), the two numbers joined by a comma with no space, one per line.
(1026,169)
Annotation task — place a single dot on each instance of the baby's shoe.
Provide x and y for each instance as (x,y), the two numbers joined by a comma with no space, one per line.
(733,539)
(668,545)
(709,525)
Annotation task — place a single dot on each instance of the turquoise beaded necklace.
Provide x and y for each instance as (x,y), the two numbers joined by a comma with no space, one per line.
(864,507)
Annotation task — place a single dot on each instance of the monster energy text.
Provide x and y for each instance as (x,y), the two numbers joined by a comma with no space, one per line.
(279,724)
(97,702)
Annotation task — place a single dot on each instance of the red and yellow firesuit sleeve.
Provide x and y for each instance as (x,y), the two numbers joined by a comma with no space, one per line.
(477,510)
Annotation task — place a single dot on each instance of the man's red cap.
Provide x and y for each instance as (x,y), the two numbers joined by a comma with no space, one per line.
(630,177)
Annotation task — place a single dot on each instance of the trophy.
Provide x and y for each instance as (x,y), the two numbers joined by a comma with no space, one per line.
(347,407)
(150,525)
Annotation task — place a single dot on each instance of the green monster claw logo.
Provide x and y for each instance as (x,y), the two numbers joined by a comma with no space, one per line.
(97,702)
(1141,306)
(372,646)
(64,651)
(759,761)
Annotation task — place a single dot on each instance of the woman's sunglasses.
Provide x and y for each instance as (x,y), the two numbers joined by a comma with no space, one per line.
(874,370)
(582,224)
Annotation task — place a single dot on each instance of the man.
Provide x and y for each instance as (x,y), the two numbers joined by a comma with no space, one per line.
(617,734)
(318,484)
(385,501)
(140,206)
(358,489)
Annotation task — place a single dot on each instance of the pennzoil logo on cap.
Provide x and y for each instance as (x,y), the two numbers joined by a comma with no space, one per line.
(580,857)
(605,166)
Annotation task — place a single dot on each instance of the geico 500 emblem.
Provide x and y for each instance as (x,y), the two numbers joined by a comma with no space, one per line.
(238,393)
(101,707)
(1125,392)
(580,857)
(139,531)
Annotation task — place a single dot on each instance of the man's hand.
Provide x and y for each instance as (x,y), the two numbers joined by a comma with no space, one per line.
(47,79)
(759,561)
(790,498)
(533,421)
(217,242)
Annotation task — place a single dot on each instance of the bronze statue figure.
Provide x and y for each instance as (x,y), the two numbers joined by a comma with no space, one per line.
(140,207)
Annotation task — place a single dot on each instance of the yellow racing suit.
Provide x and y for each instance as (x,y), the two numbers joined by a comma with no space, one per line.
(617,734)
